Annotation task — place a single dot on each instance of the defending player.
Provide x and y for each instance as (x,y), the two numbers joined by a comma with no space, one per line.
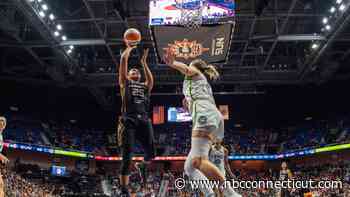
(218,155)
(2,157)
(208,123)
(134,123)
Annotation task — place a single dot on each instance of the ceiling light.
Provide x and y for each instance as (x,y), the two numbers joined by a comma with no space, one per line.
(314,46)
(44,6)
(42,14)
(59,27)
(56,33)
(52,17)
(339,1)
(328,27)
(64,38)
(342,7)
(39,1)
(325,20)
(332,10)
(71,47)
(69,51)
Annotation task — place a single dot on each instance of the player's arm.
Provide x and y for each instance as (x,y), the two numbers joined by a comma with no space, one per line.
(169,59)
(3,158)
(227,165)
(148,74)
(123,67)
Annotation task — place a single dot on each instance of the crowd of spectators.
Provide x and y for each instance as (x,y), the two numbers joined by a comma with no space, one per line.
(336,170)
(64,135)
(72,137)
(17,186)
(174,138)
(29,180)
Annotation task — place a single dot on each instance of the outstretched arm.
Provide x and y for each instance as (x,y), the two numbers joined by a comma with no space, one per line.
(123,67)
(148,74)
(169,59)
(227,165)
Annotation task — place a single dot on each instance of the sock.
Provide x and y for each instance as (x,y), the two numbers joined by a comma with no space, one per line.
(199,176)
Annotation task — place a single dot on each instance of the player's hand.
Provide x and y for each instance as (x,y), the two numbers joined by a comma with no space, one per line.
(185,104)
(144,56)
(169,57)
(129,47)
(127,51)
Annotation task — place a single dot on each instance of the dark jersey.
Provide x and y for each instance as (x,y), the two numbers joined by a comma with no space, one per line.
(284,175)
(135,99)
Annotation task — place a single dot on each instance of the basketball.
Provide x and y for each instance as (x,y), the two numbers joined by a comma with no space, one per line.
(132,36)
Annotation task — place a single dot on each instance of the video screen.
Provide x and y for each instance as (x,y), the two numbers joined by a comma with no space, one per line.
(178,114)
(58,171)
(168,12)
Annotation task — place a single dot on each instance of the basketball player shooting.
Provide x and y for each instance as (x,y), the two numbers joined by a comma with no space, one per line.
(3,159)
(134,123)
(208,123)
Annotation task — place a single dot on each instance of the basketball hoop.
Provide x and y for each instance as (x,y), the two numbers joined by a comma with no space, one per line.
(191,13)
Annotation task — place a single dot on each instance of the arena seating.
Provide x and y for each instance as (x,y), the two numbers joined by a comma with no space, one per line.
(174,139)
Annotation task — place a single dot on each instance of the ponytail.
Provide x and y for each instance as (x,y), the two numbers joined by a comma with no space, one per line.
(208,70)
(211,72)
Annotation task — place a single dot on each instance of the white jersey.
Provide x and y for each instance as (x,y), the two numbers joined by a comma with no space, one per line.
(197,88)
(217,157)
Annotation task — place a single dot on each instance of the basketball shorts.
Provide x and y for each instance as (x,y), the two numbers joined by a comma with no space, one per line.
(206,117)
(132,129)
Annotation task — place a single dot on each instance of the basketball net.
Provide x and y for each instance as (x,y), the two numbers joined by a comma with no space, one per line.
(191,13)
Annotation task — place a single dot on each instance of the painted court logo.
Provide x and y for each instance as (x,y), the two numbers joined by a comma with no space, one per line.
(187,49)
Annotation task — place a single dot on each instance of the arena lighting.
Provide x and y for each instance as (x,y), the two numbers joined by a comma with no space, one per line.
(308,118)
(325,20)
(44,7)
(71,47)
(328,27)
(52,17)
(56,33)
(314,46)
(42,14)
(64,38)
(59,27)
(342,7)
(339,1)
(332,10)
